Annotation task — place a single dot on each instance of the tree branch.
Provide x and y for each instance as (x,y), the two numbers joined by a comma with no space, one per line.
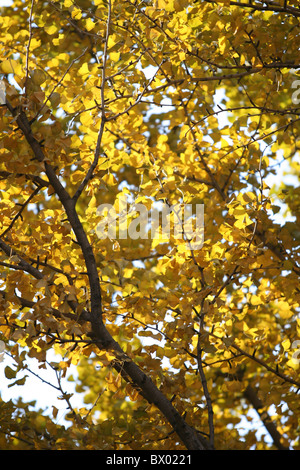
(270,6)
(102,338)
(257,404)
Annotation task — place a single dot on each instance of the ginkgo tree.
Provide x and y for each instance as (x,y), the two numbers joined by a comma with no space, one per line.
(154,105)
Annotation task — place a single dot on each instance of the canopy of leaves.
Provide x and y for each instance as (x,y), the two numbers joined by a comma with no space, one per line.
(159,102)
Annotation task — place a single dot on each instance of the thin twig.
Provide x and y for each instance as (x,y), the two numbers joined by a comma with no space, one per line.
(253,357)
(137,101)
(58,84)
(204,381)
(19,214)
(90,172)
(66,396)
(28,46)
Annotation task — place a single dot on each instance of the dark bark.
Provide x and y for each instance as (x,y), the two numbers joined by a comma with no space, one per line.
(257,404)
(191,438)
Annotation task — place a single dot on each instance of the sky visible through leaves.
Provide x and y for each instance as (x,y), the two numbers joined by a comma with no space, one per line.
(151,342)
